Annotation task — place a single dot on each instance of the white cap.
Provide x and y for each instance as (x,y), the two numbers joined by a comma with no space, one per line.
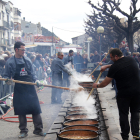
(4,55)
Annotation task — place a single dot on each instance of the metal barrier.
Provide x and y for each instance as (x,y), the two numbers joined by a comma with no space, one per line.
(5,89)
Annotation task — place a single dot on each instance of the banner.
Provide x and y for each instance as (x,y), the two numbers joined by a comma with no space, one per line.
(46,39)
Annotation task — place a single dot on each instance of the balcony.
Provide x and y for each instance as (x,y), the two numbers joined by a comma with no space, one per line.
(5,25)
(4,42)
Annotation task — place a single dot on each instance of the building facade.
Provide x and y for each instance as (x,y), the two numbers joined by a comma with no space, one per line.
(80,40)
(4,26)
(17,24)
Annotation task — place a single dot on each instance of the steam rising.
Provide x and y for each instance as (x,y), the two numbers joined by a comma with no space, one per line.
(80,98)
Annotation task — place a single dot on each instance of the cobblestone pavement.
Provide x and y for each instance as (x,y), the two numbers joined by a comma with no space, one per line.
(10,131)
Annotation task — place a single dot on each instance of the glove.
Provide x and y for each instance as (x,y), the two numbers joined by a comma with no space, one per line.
(9,81)
(37,83)
(69,73)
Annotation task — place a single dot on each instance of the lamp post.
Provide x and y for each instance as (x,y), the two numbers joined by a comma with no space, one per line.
(100,30)
(88,41)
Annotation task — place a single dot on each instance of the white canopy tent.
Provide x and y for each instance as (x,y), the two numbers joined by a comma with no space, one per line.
(66,50)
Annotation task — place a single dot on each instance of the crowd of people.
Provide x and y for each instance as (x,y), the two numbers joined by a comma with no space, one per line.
(41,64)
(32,66)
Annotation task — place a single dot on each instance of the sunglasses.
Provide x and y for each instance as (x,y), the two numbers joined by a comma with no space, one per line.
(21,49)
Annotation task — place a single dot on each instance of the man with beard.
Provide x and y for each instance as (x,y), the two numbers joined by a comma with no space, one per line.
(126,73)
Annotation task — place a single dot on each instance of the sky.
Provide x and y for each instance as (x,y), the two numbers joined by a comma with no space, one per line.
(64,14)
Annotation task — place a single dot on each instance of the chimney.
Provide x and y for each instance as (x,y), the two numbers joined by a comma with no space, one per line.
(24,18)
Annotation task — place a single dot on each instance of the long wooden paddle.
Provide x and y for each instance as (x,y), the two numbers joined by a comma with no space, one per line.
(98,64)
(51,86)
(95,82)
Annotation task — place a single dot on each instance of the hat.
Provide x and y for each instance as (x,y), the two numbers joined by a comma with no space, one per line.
(4,55)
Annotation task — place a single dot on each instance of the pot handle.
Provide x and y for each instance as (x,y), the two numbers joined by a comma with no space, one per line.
(105,128)
(62,115)
(104,120)
(103,109)
(65,107)
(52,133)
(58,123)
(62,111)
(55,128)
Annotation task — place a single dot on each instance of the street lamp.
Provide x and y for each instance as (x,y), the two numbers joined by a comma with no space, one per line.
(100,30)
(88,41)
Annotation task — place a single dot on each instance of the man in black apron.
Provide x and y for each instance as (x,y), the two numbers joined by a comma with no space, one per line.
(25,100)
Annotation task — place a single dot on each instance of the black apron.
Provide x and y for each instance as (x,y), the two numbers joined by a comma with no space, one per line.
(25,100)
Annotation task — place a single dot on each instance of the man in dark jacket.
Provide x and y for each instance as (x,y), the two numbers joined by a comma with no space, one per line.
(115,44)
(78,62)
(57,68)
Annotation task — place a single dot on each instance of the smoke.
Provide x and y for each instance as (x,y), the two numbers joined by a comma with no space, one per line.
(78,76)
(80,98)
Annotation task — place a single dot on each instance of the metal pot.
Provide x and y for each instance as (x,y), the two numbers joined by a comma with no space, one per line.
(77,134)
(81,116)
(86,84)
(82,108)
(79,112)
(80,122)
(73,108)
(82,127)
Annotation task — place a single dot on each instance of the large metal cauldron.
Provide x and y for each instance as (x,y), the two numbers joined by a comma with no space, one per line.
(77,135)
(81,122)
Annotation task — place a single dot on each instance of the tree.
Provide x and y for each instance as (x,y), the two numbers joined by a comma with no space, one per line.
(93,22)
(106,9)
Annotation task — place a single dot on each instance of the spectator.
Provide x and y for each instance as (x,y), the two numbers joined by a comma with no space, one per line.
(78,62)
(96,57)
(138,49)
(102,55)
(123,48)
(2,64)
(37,61)
(91,57)
(126,52)
(84,62)
(33,57)
(115,44)
(47,61)
(136,58)
(8,53)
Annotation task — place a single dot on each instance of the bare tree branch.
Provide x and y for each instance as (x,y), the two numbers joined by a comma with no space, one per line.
(118,9)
